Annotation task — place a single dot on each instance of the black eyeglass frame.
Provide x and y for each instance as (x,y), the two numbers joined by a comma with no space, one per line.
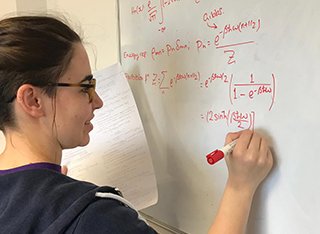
(91,87)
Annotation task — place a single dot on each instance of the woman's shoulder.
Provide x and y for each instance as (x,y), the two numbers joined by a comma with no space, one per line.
(66,205)
(110,215)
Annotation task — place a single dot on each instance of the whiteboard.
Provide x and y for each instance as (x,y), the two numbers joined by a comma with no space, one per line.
(200,69)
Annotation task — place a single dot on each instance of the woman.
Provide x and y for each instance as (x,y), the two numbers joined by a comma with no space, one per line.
(47,103)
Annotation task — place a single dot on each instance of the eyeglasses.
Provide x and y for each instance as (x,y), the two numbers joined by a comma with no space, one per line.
(89,88)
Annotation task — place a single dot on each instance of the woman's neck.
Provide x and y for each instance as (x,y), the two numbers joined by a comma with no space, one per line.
(21,150)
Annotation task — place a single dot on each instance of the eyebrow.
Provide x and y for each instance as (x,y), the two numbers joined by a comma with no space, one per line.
(88,77)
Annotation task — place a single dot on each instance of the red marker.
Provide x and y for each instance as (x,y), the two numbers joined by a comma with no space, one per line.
(218,154)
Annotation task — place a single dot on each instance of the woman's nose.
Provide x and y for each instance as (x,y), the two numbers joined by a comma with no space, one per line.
(97,101)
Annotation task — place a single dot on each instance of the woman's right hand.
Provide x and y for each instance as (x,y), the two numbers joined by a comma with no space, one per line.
(250,161)
(248,164)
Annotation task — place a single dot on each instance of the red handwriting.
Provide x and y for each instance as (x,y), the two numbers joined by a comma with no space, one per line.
(162,80)
(236,44)
(187,76)
(154,10)
(231,54)
(200,45)
(242,120)
(157,52)
(134,56)
(209,16)
(169,49)
(178,46)
(253,25)
(134,77)
(158,79)
(215,76)
(252,89)
(237,91)
(240,27)
(227,38)
(137,9)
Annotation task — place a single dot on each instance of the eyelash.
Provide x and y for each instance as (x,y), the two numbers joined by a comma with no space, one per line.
(85,90)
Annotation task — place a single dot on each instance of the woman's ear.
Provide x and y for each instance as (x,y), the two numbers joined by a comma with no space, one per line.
(30,99)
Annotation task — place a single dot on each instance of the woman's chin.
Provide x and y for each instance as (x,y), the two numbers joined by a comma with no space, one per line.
(82,143)
(79,142)
(85,141)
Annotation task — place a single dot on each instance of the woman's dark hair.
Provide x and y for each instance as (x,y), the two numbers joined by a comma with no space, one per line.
(33,50)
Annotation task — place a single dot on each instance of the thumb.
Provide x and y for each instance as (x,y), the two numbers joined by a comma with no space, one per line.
(64,170)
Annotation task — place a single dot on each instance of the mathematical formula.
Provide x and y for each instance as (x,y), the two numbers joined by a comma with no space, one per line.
(155,11)
(237,90)
(225,39)
(231,118)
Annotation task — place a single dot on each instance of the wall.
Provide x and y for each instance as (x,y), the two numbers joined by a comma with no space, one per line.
(7,7)
(99,23)
(34,5)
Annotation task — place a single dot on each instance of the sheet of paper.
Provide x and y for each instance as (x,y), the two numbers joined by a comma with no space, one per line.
(118,154)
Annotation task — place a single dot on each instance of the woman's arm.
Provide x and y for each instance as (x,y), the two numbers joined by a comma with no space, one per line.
(248,164)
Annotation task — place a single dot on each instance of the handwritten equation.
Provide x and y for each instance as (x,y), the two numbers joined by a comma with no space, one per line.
(241,120)
(155,12)
(225,38)
(252,89)
(236,90)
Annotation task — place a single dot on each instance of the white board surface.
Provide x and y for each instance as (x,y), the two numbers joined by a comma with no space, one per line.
(199,69)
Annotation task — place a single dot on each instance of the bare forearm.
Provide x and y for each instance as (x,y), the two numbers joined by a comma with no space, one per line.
(233,213)
(248,164)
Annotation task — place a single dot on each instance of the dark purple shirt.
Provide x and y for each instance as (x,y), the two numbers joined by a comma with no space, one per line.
(43,165)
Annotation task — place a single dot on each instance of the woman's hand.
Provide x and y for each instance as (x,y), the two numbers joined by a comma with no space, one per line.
(248,164)
(250,161)
(64,170)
